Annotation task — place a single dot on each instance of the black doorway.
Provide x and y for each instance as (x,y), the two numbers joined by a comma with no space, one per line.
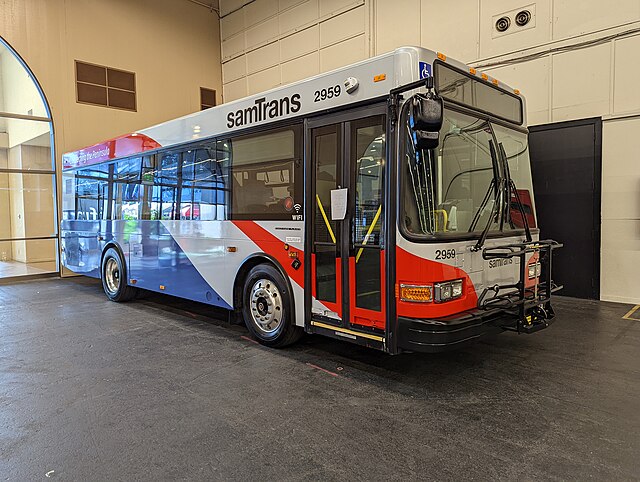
(566,165)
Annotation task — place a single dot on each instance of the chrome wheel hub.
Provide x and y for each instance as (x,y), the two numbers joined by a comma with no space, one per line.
(266,306)
(112,276)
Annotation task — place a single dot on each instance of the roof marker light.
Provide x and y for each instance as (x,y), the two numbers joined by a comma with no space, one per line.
(442,56)
(472,71)
(516,91)
(494,81)
(485,77)
(380,78)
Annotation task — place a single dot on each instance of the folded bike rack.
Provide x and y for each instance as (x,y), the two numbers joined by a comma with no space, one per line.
(530,303)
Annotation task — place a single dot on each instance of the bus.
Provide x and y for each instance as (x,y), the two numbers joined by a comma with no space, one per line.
(388,203)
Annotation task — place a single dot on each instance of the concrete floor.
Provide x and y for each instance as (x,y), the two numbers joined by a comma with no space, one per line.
(94,390)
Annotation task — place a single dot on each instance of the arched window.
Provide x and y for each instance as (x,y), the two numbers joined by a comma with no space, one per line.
(28,212)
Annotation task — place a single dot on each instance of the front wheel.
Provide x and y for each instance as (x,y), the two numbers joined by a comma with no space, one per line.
(266,307)
(114,277)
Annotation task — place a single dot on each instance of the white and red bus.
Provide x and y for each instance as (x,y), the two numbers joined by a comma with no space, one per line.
(388,203)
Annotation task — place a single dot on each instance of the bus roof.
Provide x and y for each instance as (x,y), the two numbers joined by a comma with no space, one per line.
(375,77)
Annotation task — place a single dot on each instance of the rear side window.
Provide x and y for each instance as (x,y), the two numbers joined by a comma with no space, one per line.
(266,175)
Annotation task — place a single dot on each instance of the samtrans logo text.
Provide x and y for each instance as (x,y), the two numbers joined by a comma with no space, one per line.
(263,110)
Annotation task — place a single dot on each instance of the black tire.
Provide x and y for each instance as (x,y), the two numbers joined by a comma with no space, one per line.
(267,307)
(113,273)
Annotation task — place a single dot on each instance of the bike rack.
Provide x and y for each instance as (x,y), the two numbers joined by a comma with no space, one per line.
(530,304)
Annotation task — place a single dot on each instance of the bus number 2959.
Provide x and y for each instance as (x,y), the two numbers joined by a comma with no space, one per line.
(324,94)
(445,253)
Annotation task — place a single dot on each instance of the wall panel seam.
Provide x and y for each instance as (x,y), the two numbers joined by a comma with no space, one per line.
(288,33)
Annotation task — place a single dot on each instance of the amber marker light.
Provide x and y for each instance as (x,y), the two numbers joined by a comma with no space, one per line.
(380,77)
(494,81)
(416,293)
(442,56)
(485,77)
(472,71)
(516,91)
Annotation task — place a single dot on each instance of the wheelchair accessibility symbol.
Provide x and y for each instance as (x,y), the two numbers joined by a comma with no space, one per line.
(425,70)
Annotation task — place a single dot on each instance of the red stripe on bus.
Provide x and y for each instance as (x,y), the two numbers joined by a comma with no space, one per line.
(120,146)
(273,246)
(412,269)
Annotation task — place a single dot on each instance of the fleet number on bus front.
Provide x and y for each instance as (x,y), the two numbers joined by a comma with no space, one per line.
(324,94)
(445,253)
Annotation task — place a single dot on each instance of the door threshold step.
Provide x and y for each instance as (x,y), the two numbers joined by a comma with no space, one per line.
(347,332)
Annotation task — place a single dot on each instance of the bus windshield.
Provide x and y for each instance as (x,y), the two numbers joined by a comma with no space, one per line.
(454,190)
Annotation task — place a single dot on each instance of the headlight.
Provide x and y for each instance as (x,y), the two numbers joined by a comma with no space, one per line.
(416,293)
(449,290)
(456,288)
(534,270)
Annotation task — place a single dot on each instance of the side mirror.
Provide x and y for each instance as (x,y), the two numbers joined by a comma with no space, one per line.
(425,118)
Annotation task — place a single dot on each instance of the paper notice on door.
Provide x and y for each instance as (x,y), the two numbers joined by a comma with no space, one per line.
(338,204)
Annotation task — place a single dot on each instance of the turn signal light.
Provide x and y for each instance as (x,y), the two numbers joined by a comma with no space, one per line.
(416,293)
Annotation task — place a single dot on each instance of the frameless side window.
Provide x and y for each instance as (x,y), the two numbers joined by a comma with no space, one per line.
(265,169)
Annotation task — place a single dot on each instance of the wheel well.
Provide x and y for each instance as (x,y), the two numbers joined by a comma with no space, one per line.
(247,265)
(117,247)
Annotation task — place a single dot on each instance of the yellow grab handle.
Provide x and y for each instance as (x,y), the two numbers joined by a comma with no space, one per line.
(444,216)
(326,220)
(366,238)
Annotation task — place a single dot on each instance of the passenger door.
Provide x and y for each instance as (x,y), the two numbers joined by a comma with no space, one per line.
(347,255)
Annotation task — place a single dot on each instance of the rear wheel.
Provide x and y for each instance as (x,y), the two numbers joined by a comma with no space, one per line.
(114,277)
(266,307)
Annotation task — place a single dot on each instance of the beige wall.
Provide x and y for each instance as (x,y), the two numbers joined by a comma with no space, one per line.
(266,43)
(173,46)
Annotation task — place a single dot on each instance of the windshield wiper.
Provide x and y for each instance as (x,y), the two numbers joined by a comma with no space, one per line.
(502,186)
(511,187)
(497,185)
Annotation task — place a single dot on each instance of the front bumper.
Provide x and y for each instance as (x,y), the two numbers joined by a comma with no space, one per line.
(443,334)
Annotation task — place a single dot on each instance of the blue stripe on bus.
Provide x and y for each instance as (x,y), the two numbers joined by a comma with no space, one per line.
(158,261)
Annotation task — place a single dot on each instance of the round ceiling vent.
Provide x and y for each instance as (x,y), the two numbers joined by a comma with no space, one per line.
(503,24)
(523,18)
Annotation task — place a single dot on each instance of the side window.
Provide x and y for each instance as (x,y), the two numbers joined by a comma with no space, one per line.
(191,184)
(209,184)
(265,170)
(148,206)
(166,188)
(91,194)
(127,174)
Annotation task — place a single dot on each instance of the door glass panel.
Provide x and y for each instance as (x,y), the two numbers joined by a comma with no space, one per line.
(27,205)
(28,145)
(369,145)
(28,209)
(326,148)
(32,256)
(368,280)
(326,273)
